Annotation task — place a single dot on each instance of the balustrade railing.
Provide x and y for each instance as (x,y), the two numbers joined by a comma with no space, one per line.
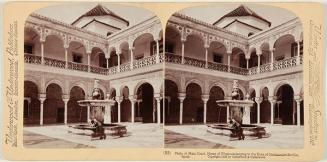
(252,70)
(77,66)
(112,70)
(173,58)
(54,62)
(32,59)
(194,62)
(284,63)
(99,70)
(147,61)
(239,70)
(125,67)
(264,68)
(217,66)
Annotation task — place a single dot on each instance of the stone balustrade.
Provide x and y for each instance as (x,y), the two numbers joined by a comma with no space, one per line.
(177,59)
(144,62)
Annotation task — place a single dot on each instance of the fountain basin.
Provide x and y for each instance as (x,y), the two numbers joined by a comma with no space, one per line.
(235,103)
(87,129)
(248,130)
(94,103)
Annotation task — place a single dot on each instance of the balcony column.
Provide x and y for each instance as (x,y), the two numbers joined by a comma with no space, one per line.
(206,48)
(298,53)
(107,59)
(66,57)
(181,97)
(133,101)
(272,100)
(65,98)
(272,59)
(205,99)
(118,56)
(183,50)
(89,61)
(258,69)
(42,98)
(158,98)
(42,52)
(258,100)
(119,100)
(157,50)
(132,57)
(228,60)
(298,100)
(247,63)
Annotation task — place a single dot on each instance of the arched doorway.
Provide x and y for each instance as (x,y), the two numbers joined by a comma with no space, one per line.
(142,45)
(193,104)
(31,42)
(171,102)
(125,106)
(265,108)
(146,96)
(285,111)
(77,52)
(254,108)
(31,103)
(114,109)
(173,42)
(215,113)
(75,112)
(54,107)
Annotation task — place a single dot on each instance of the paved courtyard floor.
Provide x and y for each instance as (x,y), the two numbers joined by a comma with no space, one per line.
(138,135)
(191,136)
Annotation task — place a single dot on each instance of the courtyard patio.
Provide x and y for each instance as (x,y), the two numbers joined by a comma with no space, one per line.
(56,136)
(196,136)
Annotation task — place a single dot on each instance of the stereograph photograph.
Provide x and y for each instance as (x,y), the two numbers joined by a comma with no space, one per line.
(234,79)
(80,92)
(223,81)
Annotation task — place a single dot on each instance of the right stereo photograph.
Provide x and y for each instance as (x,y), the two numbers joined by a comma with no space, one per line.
(234,78)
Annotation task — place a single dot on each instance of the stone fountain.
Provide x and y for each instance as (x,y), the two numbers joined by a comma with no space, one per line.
(100,124)
(241,110)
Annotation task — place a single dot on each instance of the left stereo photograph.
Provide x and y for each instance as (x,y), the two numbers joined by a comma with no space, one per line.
(93,77)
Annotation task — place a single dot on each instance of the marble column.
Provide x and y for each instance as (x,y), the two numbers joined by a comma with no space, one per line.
(42,98)
(157,50)
(247,63)
(258,69)
(89,61)
(119,100)
(131,57)
(66,57)
(206,56)
(272,100)
(65,98)
(298,100)
(183,51)
(133,101)
(258,100)
(205,99)
(298,53)
(107,59)
(272,59)
(228,60)
(158,109)
(181,97)
(42,52)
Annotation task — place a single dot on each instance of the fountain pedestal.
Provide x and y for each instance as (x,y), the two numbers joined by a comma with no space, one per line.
(246,115)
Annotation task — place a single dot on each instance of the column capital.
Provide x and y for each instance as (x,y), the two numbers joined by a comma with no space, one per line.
(131,48)
(205,97)
(297,98)
(132,98)
(183,39)
(119,99)
(42,97)
(258,100)
(65,97)
(272,99)
(156,95)
(181,96)
(206,46)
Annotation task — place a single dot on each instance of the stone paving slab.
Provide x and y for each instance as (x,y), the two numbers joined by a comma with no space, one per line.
(281,137)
